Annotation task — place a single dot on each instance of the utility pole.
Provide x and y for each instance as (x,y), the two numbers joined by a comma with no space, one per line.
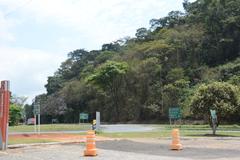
(39,121)
(37,115)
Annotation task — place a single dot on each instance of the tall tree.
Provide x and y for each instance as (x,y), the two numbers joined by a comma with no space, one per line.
(109,77)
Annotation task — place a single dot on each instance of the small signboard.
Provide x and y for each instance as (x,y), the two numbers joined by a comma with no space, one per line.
(83,116)
(36,108)
(213,114)
(174,113)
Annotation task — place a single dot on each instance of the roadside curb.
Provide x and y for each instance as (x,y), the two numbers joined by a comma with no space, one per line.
(15,146)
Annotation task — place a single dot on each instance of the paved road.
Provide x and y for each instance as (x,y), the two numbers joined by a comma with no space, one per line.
(195,149)
(75,152)
(126,128)
(106,128)
(135,149)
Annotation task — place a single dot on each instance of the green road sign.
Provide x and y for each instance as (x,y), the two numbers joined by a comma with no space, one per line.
(174,113)
(83,116)
(36,108)
(213,114)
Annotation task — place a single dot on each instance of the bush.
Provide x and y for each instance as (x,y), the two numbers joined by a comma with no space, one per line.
(15,114)
(220,96)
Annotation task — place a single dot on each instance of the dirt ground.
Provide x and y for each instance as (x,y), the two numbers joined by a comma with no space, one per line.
(58,137)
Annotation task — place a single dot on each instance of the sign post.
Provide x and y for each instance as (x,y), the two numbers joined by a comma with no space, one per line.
(174,114)
(214,120)
(37,115)
(98,121)
(4,114)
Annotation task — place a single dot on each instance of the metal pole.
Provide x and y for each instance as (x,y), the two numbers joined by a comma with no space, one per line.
(35,123)
(39,122)
(98,121)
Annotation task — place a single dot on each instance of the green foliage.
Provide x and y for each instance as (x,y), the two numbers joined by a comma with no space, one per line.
(230,69)
(28,109)
(14,114)
(175,74)
(106,74)
(220,18)
(174,94)
(104,56)
(109,77)
(142,34)
(54,84)
(220,96)
(235,80)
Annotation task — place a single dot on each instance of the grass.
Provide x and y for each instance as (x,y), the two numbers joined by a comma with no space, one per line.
(83,127)
(51,127)
(161,131)
(164,131)
(234,127)
(167,133)
(28,141)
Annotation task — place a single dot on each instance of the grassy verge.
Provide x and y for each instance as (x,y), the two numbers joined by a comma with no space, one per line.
(234,127)
(51,127)
(167,133)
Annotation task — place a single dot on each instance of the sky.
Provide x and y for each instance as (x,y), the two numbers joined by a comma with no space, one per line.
(37,35)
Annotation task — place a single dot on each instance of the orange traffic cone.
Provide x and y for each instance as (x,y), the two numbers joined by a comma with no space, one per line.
(176,140)
(90,144)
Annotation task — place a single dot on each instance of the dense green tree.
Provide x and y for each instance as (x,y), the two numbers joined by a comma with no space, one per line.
(142,34)
(109,77)
(28,109)
(14,114)
(174,94)
(220,96)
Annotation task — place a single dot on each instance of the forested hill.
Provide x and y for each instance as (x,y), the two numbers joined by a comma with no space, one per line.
(165,65)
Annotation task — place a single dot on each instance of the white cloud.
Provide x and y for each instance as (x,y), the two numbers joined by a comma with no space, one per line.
(27,69)
(97,21)
(5,34)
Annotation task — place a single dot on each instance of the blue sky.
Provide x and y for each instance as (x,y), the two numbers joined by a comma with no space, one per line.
(36,35)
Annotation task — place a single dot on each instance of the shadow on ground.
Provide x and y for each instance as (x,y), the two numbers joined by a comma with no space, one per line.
(163,150)
(210,135)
